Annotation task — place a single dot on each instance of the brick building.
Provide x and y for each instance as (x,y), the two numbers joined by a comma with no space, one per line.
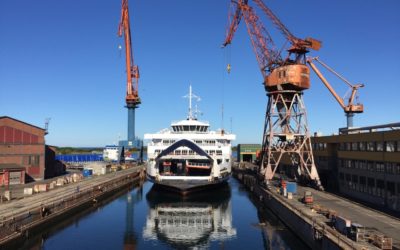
(362,163)
(22,145)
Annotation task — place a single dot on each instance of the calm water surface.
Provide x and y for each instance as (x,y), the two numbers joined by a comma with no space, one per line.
(147,218)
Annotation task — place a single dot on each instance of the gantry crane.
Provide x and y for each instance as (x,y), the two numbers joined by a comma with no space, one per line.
(132,72)
(285,77)
(351,107)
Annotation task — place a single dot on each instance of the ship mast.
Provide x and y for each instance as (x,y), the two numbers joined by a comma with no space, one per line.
(190,96)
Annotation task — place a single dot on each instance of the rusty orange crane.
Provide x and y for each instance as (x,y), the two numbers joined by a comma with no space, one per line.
(285,77)
(351,107)
(132,98)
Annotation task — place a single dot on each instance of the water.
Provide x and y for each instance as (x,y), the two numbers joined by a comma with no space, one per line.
(147,218)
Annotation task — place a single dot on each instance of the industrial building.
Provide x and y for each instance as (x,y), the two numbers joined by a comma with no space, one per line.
(362,163)
(23,153)
(247,152)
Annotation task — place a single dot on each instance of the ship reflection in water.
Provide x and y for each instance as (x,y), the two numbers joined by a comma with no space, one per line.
(189,222)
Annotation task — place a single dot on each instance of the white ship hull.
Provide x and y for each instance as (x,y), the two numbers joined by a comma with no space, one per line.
(186,173)
(189,156)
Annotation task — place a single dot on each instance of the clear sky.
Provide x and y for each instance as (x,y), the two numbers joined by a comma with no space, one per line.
(60,59)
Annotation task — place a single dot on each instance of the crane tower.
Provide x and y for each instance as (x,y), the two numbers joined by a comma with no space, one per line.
(132,99)
(285,78)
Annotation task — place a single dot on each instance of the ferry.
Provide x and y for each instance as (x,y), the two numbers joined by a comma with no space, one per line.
(188,156)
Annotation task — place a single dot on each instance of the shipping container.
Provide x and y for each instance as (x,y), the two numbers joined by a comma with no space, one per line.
(291,187)
(342,224)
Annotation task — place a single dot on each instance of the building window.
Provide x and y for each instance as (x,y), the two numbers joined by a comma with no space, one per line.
(370,166)
(390,146)
(354,178)
(390,188)
(380,167)
(354,146)
(362,146)
(33,160)
(371,146)
(348,146)
(379,146)
(398,146)
(342,146)
(362,180)
(341,176)
(363,165)
(371,182)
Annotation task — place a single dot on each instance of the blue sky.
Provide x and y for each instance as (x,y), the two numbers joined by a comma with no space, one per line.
(60,59)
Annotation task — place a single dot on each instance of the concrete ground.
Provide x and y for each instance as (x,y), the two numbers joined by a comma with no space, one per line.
(369,218)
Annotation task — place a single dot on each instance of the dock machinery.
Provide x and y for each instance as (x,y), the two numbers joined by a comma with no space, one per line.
(285,78)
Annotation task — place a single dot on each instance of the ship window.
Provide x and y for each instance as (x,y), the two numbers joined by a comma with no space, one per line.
(212,152)
(184,152)
(198,141)
(185,128)
(219,152)
(191,152)
(192,128)
(227,160)
(177,152)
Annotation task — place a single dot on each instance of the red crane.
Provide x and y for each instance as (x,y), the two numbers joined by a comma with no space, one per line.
(132,71)
(351,107)
(274,67)
(285,77)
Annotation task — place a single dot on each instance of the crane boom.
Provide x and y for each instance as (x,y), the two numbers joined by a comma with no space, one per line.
(262,43)
(132,71)
(351,107)
(285,126)
(290,73)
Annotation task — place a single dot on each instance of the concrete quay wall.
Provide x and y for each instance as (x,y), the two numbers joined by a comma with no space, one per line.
(315,233)
(54,208)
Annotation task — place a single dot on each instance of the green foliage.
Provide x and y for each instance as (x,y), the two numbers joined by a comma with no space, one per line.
(71,150)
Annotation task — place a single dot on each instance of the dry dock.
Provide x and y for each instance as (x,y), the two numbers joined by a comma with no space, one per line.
(19,217)
(313,223)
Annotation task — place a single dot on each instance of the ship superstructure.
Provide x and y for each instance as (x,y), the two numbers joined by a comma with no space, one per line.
(188,155)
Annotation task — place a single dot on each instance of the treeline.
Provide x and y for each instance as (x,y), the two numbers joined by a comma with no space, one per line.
(71,150)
